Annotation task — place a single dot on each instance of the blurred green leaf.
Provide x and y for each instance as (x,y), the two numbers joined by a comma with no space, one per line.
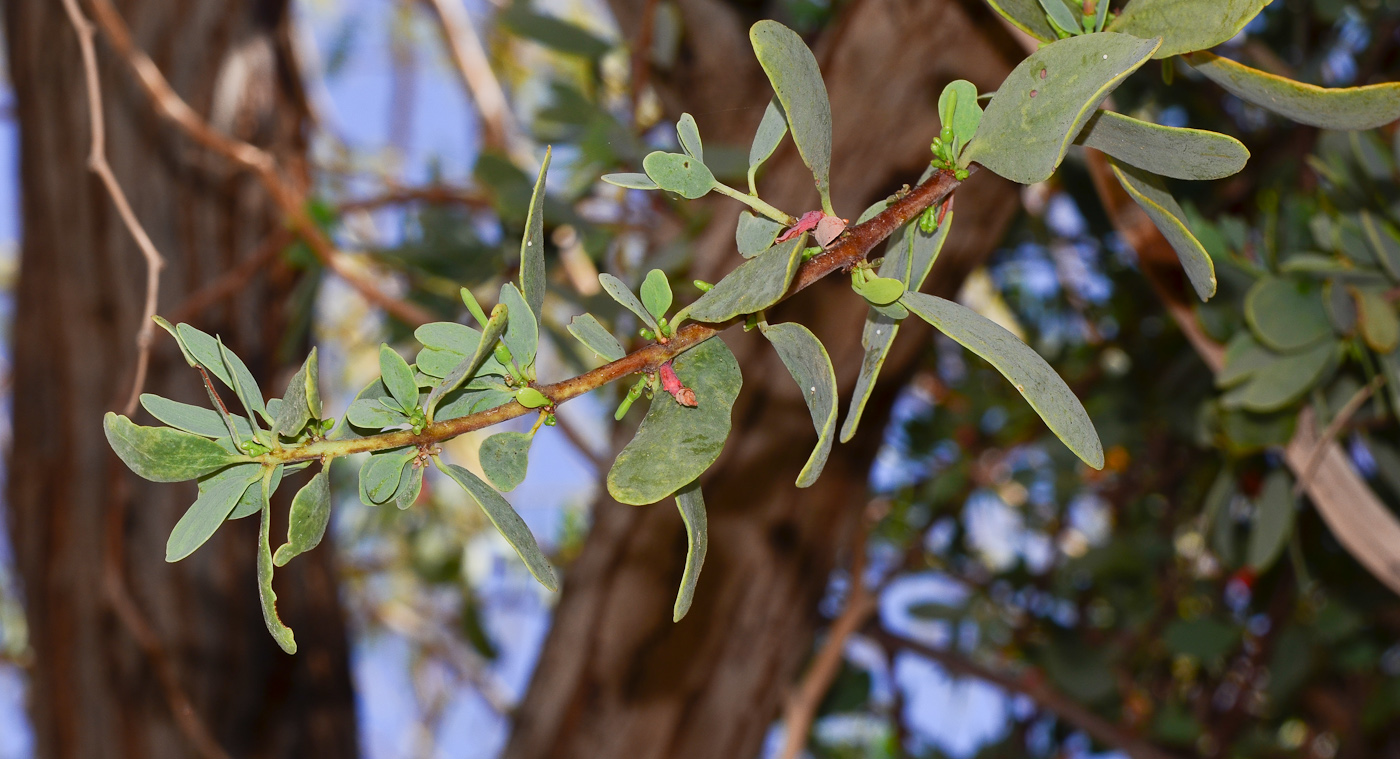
(1060,15)
(1286,314)
(1273,521)
(1341,108)
(1284,381)
(553,33)
(1186,25)
(1168,151)
(1152,195)
(1379,326)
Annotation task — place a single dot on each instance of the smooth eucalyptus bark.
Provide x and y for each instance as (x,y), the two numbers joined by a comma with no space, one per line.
(74,509)
(616,677)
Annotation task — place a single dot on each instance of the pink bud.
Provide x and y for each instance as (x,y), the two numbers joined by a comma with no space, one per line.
(672,384)
(807,223)
(828,229)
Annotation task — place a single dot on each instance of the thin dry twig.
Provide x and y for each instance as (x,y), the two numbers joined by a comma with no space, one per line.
(1329,433)
(290,200)
(499,130)
(97,162)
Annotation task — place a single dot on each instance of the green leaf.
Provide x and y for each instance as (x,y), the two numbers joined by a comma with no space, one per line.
(161,454)
(1349,108)
(1060,15)
(280,632)
(631,181)
(532,246)
(1243,357)
(962,112)
(205,350)
(881,291)
(1379,327)
(529,397)
(797,80)
(1341,308)
(681,174)
(912,255)
(216,500)
(380,477)
(1100,15)
(755,285)
(809,364)
(1152,195)
(466,370)
(656,293)
(469,300)
(1028,372)
(175,333)
(1028,16)
(522,335)
(504,458)
(370,414)
(479,395)
(1186,25)
(755,234)
(623,295)
(688,132)
(302,391)
(244,386)
(507,522)
(1384,241)
(676,443)
(771,131)
(596,337)
(691,503)
(446,344)
(200,421)
(1282,382)
(1169,151)
(251,502)
(1032,120)
(1273,521)
(1286,314)
(398,378)
(553,33)
(307,520)
(409,488)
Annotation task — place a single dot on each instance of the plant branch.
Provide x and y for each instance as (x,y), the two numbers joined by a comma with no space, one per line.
(849,249)
(499,130)
(289,199)
(97,163)
(752,201)
(1033,685)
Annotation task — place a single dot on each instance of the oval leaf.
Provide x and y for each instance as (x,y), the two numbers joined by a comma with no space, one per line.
(688,132)
(1151,194)
(161,454)
(676,443)
(1028,372)
(631,181)
(504,458)
(691,503)
(1384,241)
(398,378)
(1286,314)
(596,337)
(1043,104)
(522,332)
(507,522)
(755,234)
(882,291)
(797,80)
(467,369)
(1341,108)
(766,140)
(623,295)
(409,488)
(656,293)
(216,500)
(1379,327)
(1186,25)
(681,174)
(1167,151)
(755,285)
(380,477)
(1028,16)
(307,520)
(809,364)
(295,410)
(200,421)
(958,108)
(1282,382)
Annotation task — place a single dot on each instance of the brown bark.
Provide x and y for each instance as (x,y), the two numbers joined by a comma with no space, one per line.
(95,691)
(616,677)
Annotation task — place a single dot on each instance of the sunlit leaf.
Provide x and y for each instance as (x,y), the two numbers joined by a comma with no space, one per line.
(595,337)
(681,174)
(398,378)
(200,421)
(1286,314)
(797,80)
(1185,25)
(505,456)
(676,443)
(307,520)
(1168,151)
(656,293)
(507,522)
(529,397)
(162,454)
(1028,372)
(755,234)
(691,503)
(1152,195)
(381,475)
(522,335)
(1043,105)
(296,408)
(216,500)
(1341,108)
(623,295)
(755,285)
(809,364)
(532,245)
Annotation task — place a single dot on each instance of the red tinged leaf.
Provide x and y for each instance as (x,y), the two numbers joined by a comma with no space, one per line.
(807,223)
(828,229)
(672,384)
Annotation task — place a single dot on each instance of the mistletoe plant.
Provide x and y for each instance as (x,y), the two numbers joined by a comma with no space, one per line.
(467,378)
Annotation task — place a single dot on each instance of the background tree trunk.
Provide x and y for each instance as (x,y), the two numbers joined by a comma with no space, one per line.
(95,691)
(616,677)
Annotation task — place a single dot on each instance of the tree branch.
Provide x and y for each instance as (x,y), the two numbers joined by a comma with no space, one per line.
(97,162)
(499,130)
(292,202)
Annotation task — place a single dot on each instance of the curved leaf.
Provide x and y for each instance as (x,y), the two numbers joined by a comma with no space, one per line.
(688,132)
(595,337)
(676,443)
(1028,372)
(1384,241)
(809,364)
(771,131)
(532,245)
(962,113)
(467,369)
(244,386)
(1273,521)
(1286,314)
(201,421)
(1186,25)
(755,234)
(656,293)
(1167,151)
(681,174)
(216,500)
(1152,195)
(1061,16)
(505,457)
(797,80)
(307,519)
(1341,108)
(1028,16)
(302,392)
(1282,382)
(691,503)
(1043,104)
(398,378)
(1379,326)
(280,632)
(522,333)
(162,454)
(409,487)
(623,295)
(507,522)
(755,285)
(631,181)
(381,475)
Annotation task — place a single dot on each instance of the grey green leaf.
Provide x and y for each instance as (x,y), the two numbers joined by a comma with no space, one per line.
(280,632)
(595,337)
(505,457)
(1168,151)
(691,503)
(755,234)
(755,285)
(623,295)
(200,421)
(809,364)
(532,245)
(1286,314)
(507,522)
(1151,194)
(216,500)
(162,454)
(797,80)
(681,174)
(1185,25)
(771,131)
(1348,108)
(688,132)
(398,378)
(656,293)
(1273,521)
(307,519)
(631,181)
